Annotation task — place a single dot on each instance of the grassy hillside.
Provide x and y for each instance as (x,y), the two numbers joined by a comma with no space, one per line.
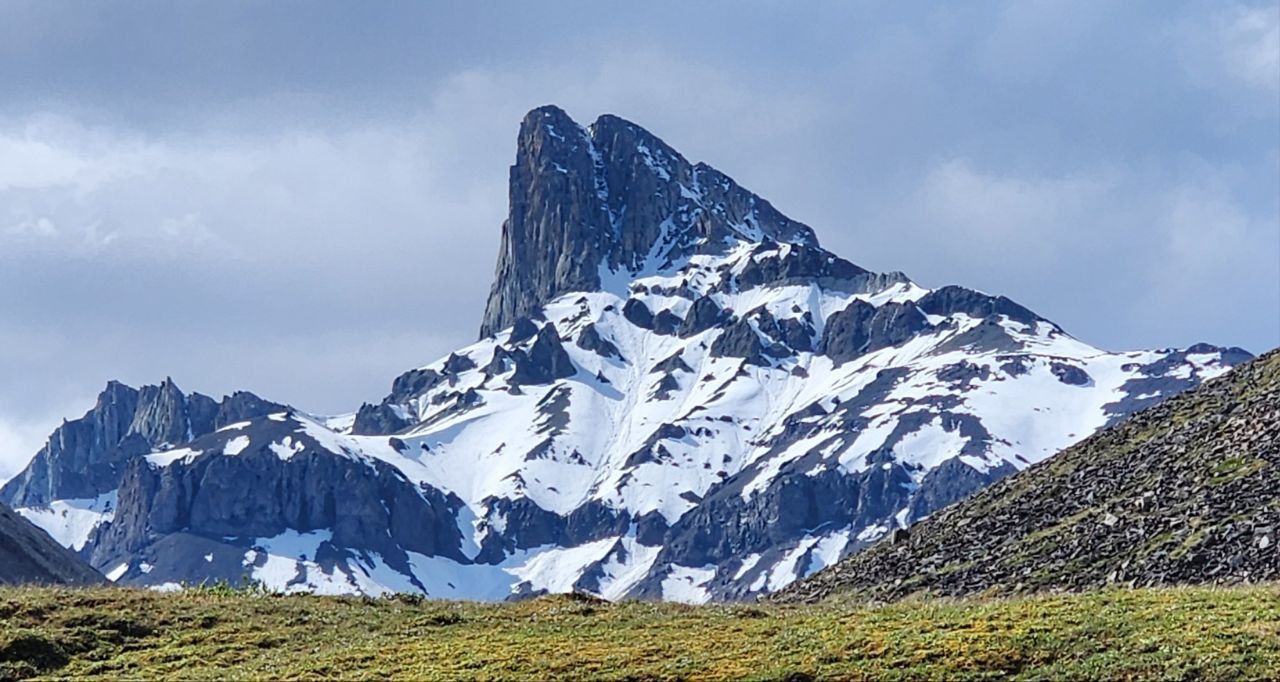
(1197,633)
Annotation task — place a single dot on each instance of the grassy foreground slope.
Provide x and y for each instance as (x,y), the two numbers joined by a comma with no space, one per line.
(1180,633)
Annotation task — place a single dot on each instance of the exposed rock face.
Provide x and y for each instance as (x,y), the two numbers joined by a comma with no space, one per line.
(29,555)
(590,339)
(704,314)
(85,457)
(610,198)
(1185,492)
(740,340)
(950,300)
(383,418)
(268,478)
(548,360)
(862,328)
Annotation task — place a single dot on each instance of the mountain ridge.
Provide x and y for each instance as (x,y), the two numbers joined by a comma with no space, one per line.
(677,394)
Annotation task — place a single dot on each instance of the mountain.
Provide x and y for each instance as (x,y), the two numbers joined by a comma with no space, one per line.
(677,394)
(29,555)
(1185,492)
(70,486)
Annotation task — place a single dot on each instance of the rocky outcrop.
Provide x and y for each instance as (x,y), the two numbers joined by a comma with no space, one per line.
(1185,492)
(861,328)
(740,340)
(952,299)
(29,555)
(545,361)
(800,264)
(85,457)
(591,339)
(520,524)
(610,198)
(270,477)
(728,526)
(383,418)
(704,314)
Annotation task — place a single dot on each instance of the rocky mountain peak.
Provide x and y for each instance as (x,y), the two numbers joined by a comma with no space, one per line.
(84,457)
(594,204)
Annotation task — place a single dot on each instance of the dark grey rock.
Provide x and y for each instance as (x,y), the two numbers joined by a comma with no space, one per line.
(29,555)
(637,313)
(962,373)
(1070,374)
(367,505)
(381,419)
(673,363)
(952,299)
(590,339)
(704,314)
(861,328)
(545,362)
(803,264)
(85,457)
(582,199)
(739,340)
(666,323)
(523,330)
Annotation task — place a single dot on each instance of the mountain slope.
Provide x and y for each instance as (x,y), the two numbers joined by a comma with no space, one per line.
(29,555)
(678,394)
(1185,492)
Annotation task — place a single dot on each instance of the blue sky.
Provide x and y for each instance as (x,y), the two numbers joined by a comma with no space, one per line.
(303,198)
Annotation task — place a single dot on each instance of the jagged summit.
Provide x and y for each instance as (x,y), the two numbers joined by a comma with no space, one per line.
(84,457)
(589,205)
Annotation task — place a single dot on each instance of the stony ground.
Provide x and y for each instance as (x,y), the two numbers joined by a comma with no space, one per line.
(1186,492)
(115,633)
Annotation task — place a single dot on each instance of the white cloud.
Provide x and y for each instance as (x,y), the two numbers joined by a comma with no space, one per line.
(991,207)
(1250,44)
(1236,46)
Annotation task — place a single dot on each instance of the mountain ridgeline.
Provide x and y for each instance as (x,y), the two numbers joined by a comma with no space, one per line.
(677,394)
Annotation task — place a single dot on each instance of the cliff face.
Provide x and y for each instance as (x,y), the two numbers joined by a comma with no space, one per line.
(279,476)
(85,457)
(610,202)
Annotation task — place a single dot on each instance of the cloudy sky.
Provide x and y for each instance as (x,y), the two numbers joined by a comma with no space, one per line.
(303,198)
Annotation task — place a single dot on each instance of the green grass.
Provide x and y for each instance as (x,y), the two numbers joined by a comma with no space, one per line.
(1192,633)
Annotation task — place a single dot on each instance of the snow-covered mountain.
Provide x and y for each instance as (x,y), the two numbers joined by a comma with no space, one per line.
(678,394)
